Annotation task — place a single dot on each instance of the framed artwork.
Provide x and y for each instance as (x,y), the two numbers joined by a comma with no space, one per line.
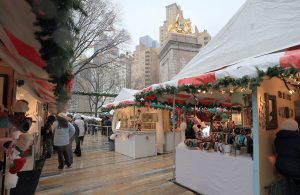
(3,89)
(271,111)
(279,94)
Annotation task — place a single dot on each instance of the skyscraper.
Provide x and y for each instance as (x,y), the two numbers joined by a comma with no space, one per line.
(145,67)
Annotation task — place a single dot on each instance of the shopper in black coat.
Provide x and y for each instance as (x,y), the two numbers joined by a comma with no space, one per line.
(287,144)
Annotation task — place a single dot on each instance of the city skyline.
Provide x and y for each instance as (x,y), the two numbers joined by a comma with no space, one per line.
(142,18)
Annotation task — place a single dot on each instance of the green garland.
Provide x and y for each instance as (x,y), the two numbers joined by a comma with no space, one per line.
(57,29)
(94,94)
(221,84)
(89,112)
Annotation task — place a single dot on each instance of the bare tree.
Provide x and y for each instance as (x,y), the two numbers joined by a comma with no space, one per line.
(97,80)
(98,30)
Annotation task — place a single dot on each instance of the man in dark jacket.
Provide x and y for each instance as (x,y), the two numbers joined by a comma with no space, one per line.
(287,144)
(47,134)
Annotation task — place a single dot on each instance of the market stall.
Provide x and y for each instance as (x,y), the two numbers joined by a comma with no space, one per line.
(38,113)
(250,78)
(132,122)
(30,86)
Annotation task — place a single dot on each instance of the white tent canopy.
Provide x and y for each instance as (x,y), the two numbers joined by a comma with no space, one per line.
(261,35)
(259,27)
(126,96)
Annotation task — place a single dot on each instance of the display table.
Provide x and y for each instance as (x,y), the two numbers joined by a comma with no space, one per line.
(168,135)
(214,173)
(136,144)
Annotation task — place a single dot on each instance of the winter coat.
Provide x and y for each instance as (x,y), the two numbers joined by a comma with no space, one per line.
(62,135)
(287,144)
(80,124)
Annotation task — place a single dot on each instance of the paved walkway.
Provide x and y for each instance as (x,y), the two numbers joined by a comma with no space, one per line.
(99,171)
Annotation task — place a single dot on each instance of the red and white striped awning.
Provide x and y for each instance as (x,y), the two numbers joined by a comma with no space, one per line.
(20,50)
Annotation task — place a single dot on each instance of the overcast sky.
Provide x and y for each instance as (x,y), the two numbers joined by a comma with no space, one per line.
(143,17)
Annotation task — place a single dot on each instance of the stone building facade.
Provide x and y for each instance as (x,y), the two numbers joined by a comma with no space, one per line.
(179,42)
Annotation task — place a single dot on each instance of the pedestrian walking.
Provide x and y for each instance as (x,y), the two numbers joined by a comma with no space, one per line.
(62,134)
(47,134)
(80,123)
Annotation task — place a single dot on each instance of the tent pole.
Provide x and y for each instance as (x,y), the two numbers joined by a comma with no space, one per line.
(174,153)
(134,118)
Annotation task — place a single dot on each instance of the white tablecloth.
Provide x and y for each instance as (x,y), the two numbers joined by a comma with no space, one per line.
(214,173)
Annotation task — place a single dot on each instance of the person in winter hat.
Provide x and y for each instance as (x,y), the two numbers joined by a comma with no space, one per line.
(62,134)
(19,119)
(287,145)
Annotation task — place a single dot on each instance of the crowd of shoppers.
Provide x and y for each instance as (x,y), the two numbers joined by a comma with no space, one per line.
(60,131)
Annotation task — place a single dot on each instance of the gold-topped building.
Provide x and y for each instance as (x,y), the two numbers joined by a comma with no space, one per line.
(179,42)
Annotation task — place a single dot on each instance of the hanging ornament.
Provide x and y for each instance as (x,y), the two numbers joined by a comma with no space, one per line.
(184,109)
(147,104)
(212,110)
(179,110)
(219,110)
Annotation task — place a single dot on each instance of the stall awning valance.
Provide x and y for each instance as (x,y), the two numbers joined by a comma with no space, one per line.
(20,50)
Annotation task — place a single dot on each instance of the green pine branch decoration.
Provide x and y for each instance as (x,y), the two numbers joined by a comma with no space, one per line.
(94,94)
(56,32)
(221,84)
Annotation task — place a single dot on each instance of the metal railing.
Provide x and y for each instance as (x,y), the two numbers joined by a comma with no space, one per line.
(104,130)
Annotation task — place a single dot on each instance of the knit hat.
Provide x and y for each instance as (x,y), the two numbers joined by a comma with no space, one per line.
(289,124)
(24,141)
(21,106)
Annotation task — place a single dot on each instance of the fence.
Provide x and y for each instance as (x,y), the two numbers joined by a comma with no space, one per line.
(95,129)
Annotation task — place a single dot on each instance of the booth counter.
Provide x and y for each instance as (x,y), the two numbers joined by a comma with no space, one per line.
(168,140)
(214,173)
(136,144)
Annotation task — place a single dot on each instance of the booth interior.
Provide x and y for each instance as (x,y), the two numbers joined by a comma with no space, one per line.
(233,134)
(138,120)
(20,138)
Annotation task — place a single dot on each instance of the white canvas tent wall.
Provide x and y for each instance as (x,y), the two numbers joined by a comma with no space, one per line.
(259,27)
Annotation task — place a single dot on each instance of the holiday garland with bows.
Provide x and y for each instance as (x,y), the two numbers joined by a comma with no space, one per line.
(224,85)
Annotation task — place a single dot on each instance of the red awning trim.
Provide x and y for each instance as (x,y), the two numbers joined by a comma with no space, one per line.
(45,84)
(170,101)
(148,88)
(26,50)
(184,96)
(197,80)
(291,58)
(127,102)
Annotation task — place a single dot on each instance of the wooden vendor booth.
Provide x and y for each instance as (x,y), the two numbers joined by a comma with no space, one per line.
(251,79)
(140,130)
